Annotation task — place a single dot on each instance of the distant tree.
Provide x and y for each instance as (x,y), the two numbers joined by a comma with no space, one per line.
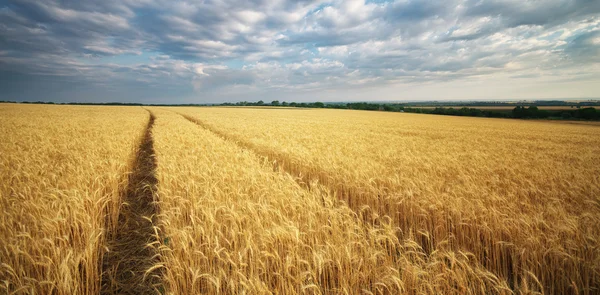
(531,112)
(275,103)
(284,103)
(260,103)
(587,113)
(318,104)
(518,112)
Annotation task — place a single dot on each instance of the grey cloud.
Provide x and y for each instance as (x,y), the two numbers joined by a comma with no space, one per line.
(69,80)
(45,27)
(334,26)
(402,11)
(192,30)
(216,79)
(585,47)
(542,13)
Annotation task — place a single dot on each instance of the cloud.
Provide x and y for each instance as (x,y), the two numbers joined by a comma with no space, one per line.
(198,51)
(547,13)
(585,47)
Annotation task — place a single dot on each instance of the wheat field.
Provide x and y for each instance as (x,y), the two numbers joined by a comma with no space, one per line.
(232,225)
(181,200)
(61,173)
(522,197)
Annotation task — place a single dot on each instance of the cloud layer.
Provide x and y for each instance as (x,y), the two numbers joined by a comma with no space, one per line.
(213,51)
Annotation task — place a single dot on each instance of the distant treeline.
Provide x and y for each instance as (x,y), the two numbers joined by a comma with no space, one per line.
(525,110)
(520,112)
(539,103)
(586,113)
(390,106)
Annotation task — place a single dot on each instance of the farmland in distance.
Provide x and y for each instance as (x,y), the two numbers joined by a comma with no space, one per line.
(295,201)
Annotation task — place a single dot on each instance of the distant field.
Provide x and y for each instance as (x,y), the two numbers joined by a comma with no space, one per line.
(215,200)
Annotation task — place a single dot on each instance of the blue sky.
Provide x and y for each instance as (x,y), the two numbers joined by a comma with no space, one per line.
(162,51)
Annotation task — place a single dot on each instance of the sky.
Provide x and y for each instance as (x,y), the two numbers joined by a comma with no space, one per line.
(165,51)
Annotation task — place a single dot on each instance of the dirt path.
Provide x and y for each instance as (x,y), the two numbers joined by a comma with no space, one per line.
(125,265)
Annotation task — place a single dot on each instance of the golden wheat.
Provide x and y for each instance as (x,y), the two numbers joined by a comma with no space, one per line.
(522,197)
(294,201)
(232,225)
(61,171)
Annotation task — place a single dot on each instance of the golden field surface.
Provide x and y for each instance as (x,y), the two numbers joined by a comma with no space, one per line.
(294,201)
(232,225)
(522,197)
(61,172)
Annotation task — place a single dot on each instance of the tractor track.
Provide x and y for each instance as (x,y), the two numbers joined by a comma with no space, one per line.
(128,267)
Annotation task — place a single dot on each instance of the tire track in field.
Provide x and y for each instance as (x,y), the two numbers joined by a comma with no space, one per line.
(501,258)
(128,265)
